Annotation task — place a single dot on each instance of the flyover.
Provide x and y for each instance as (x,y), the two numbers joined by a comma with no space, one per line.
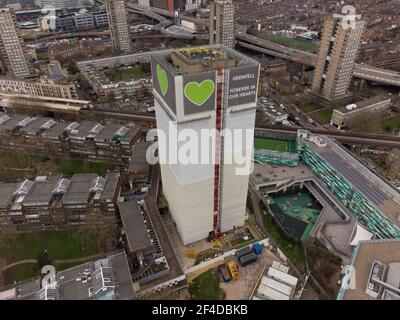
(360,70)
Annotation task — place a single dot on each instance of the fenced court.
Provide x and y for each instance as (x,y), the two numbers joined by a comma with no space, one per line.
(272,144)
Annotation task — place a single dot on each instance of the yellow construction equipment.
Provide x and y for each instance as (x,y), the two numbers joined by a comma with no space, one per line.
(216,244)
(192,254)
(224,239)
(233,269)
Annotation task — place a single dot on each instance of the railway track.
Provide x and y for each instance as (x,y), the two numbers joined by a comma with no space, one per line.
(350,137)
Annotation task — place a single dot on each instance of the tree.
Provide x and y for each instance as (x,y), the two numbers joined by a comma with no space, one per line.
(72,68)
(111,97)
(43,259)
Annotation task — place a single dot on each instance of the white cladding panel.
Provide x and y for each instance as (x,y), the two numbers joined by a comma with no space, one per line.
(182,142)
(236,175)
(187,188)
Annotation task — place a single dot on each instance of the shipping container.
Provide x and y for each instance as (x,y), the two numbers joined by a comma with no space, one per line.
(282,277)
(270,294)
(276,285)
(243,251)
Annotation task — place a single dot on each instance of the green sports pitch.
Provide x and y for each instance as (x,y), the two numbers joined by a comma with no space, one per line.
(273,145)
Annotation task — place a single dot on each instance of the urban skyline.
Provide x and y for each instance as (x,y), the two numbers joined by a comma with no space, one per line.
(200,150)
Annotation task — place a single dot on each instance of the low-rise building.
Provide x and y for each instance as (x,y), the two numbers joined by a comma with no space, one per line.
(110,142)
(64,23)
(37,88)
(105,88)
(64,51)
(100,18)
(139,168)
(103,279)
(145,254)
(374,273)
(56,202)
(275,113)
(83,20)
(359,112)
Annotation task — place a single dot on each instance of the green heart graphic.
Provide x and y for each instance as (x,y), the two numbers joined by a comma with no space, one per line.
(198,93)
(162,79)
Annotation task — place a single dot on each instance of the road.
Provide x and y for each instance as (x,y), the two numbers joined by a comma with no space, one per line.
(361,71)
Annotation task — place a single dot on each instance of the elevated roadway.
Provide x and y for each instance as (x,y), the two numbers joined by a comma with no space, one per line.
(342,136)
(361,71)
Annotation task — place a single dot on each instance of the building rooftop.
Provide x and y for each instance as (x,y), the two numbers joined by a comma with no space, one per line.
(78,191)
(200,59)
(41,192)
(11,121)
(377,191)
(6,193)
(138,158)
(110,131)
(104,279)
(44,189)
(57,130)
(39,124)
(363,104)
(134,226)
(48,127)
(85,129)
(110,187)
(375,259)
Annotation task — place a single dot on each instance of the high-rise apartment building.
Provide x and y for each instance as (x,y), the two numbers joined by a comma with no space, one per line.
(66,4)
(339,45)
(118,22)
(222,23)
(205,91)
(13,57)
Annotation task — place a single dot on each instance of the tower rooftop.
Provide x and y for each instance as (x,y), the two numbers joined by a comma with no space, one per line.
(201,59)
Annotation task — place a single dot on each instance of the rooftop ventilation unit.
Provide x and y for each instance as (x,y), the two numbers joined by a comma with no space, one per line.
(24,188)
(72,126)
(62,186)
(4,118)
(97,128)
(48,124)
(25,122)
(122,131)
(98,184)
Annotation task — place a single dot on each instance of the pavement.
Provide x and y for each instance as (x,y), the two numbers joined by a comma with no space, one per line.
(166,245)
(242,288)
